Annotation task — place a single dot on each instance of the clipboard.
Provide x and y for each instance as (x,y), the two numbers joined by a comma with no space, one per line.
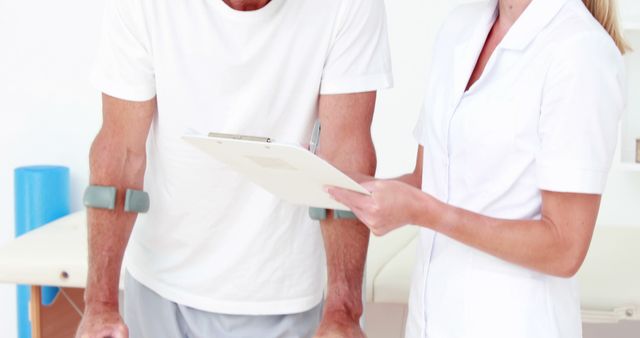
(288,171)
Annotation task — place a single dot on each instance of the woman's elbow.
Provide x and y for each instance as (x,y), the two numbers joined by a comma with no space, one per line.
(569,269)
(567,263)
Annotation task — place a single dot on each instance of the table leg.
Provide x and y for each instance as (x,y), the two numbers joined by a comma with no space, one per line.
(35,302)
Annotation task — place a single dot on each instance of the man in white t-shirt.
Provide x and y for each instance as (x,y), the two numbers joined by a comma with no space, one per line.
(217,256)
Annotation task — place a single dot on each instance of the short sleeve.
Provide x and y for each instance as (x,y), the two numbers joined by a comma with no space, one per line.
(359,58)
(583,98)
(124,67)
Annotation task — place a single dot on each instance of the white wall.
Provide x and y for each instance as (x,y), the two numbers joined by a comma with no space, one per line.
(631,126)
(49,113)
(412,28)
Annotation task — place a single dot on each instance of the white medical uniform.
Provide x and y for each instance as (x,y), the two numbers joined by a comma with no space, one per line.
(543,116)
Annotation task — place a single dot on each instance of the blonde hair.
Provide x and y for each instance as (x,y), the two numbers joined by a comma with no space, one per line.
(606,12)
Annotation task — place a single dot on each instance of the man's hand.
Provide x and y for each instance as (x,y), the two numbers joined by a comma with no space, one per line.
(101,321)
(334,325)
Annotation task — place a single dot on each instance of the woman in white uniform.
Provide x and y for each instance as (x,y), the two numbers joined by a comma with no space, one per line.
(516,136)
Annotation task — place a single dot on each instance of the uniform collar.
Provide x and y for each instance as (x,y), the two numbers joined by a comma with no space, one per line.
(534,18)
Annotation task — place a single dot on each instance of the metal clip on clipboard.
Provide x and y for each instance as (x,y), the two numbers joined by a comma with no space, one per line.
(320,214)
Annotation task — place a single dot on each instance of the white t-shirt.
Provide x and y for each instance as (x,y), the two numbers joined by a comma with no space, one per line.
(543,116)
(212,240)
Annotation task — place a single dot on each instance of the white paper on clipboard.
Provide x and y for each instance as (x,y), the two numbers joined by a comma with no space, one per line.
(290,172)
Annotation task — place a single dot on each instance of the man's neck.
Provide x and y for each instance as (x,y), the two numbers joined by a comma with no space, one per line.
(510,11)
(246,5)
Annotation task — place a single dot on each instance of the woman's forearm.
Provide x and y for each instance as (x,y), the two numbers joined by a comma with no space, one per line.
(411,179)
(536,244)
(556,244)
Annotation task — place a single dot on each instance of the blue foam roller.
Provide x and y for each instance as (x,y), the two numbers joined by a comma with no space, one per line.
(41,196)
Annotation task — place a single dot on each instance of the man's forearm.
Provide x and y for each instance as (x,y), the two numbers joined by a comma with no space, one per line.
(345,142)
(112,164)
(108,236)
(346,243)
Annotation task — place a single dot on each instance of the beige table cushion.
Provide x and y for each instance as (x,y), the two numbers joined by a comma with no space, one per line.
(55,254)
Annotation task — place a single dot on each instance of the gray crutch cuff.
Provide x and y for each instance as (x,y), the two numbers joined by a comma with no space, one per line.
(320,214)
(104,197)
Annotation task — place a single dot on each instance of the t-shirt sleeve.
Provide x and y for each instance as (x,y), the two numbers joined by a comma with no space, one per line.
(359,58)
(583,98)
(124,67)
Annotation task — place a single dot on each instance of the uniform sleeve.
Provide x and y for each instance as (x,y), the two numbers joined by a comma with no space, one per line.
(124,67)
(583,98)
(358,60)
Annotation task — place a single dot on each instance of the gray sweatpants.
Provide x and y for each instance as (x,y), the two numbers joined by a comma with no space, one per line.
(148,315)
